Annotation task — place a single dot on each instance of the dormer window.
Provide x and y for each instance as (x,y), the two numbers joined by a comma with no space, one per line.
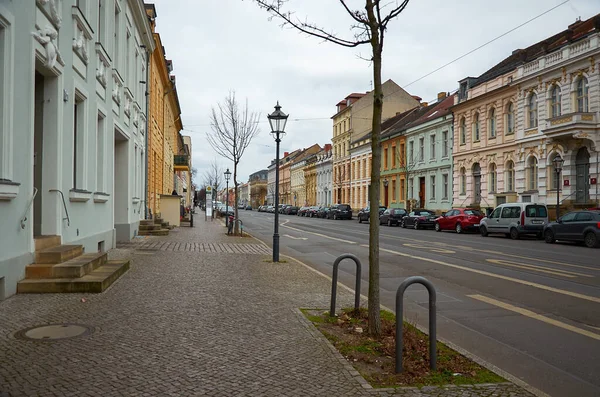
(348,103)
(462,94)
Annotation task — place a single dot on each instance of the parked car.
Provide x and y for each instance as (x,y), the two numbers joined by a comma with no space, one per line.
(419,218)
(312,211)
(341,211)
(282,208)
(459,219)
(578,226)
(516,219)
(392,216)
(291,210)
(270,209)
(322,213)
(241,206)
(363,215)
(302,211)
(248,208)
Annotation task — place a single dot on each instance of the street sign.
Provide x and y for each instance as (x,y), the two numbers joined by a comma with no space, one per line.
(209,201)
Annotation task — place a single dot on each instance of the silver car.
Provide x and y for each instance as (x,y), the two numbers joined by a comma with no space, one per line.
(515,220)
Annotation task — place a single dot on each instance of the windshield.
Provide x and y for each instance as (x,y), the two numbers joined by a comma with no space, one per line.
(473,212)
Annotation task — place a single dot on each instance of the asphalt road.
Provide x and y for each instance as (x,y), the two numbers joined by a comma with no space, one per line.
(527,307)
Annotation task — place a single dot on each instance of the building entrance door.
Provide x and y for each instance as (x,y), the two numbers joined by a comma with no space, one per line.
(582,179)
(476,183)
(422,192)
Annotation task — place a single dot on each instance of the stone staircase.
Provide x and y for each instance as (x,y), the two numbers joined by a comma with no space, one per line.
(66,268)
(154,227)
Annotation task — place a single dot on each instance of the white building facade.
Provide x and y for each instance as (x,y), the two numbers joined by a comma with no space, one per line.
(325,177)
(73,126)
(298,184)
(271,183)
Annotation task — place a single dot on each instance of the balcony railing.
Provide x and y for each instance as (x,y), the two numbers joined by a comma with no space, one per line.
(181,162)
(570,122)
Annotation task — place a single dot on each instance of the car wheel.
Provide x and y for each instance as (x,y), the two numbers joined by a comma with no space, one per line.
(590,240)
(549,237)
(359,219)
(389,222)
(437,227)
(334,217)
(458,228)
(416,225)
(483,231)
(514,234)
(403,224)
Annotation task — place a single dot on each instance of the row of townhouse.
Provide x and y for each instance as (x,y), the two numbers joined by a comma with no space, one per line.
(75,123)
(494,141)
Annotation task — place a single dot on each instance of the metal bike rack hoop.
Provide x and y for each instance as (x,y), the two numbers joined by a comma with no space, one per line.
(336,264)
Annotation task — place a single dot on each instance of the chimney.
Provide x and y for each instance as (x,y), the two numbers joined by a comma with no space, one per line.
(424,104)
(285,154)
(575,24)
(328,147)
(516,51)
(418,98)
(441,96)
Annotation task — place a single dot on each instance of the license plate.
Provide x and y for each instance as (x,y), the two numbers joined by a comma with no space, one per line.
(537,222)
(476,225)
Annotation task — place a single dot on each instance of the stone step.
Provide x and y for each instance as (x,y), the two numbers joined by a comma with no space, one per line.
(73,268)
(147,222)
(153,226)
(96,281)
(157,232)
(58,254)
(43,242)
(158,221)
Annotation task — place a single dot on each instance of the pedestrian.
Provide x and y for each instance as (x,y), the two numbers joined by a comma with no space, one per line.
(230,225)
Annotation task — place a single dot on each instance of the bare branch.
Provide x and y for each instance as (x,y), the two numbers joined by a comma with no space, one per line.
(358,16)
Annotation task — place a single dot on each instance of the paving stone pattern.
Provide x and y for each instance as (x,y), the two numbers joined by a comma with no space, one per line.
(190,323)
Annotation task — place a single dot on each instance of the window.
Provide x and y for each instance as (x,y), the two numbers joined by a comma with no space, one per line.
(510,119)
(584,217)
(444,143)
(582,95)
(402,154)
(463,131)
(509,183)
(79,145)
(532,115)
(394,193)
(6,85)
(570,217)
(394,153)
(101,21)
(476,135)
(421,149)
(492,179)
(555,101)
(100,160)
(532,173)
(445,187)
(492,123)
(432,146)
(116,36)
(411,151)
(432,179)
(402,189)
(385,158)
(463,181)
(410,188)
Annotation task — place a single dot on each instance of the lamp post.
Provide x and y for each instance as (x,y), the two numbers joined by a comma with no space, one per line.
(277,120)
(385,191)
(227,176)
(558,164)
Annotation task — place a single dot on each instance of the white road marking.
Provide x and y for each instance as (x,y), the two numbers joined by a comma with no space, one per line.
(296,238)
(535,316)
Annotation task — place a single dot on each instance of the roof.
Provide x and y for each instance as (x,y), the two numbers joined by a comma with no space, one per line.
(575,31)
(436,110)
(406,122)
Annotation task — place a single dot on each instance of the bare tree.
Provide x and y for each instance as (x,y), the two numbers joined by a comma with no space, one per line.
(232,131)
(213,176)
(368,27)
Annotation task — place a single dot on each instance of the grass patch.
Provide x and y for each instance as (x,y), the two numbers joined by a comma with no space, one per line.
(374,358)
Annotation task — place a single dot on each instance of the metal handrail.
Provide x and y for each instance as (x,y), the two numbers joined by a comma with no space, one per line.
(24,218)
(575,192)
(64,205)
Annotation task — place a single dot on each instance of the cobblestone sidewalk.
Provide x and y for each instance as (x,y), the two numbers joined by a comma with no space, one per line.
(198,314)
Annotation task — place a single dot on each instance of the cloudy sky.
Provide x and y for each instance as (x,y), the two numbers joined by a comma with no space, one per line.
(231,45)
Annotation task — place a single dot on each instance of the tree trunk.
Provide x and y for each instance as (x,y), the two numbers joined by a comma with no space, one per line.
(236,200)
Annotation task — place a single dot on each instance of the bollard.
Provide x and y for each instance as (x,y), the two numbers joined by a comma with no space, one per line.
(399,320)
(336,264)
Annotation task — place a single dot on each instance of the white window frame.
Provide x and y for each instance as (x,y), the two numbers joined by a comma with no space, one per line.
(432,183)
(555,101)
(510,119)
(492,123)
(445,144)
(6,94)
(432,147)
(582,95)
(493,178)
(463,131)
(445,179)
(421,149)
(476,130)
(509,180)
(532,111)
(463,181)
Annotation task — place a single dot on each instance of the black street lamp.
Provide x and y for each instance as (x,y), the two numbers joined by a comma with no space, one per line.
(558,164)
(385,191)
(277,120)
(227,176)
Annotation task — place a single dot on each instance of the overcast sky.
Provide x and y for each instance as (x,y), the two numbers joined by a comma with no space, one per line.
(224,45)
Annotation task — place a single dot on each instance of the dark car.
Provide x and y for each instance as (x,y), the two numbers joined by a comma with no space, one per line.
(363,215)
(312,211)
(419,219)
(459,219)
(248,208)
(578,226)
(341,211)
(322,213)
(291,210)
(302,211)
(392,216)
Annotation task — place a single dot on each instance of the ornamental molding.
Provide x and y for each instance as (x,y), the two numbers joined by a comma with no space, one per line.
(54,11)
(47,37)
(103,62)
(82,34)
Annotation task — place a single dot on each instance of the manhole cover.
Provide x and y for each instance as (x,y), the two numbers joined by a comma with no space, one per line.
(54,332)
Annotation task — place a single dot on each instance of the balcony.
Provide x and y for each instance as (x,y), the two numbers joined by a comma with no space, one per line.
(181,162)
(580,124)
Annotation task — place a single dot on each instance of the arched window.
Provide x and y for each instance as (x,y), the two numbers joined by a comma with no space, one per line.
(582,95)
(463,131)
(492,123)
(463,181)
(555,98)
(532,116)
(493,180)
(509,180)
(532,173)
(510,119)
(476,127)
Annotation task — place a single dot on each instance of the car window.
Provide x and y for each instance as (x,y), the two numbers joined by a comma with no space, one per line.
(583,217)
(536,211)
(473,212)
(412,214)
(495,213)
(570,217)
(506,212)
(386,212)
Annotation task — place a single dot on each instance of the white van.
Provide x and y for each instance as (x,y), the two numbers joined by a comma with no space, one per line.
(515,220)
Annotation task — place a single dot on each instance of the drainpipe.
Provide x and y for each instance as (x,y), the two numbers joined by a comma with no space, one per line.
(147,131)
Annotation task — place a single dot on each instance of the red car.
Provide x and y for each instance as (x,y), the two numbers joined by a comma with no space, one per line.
(459,219)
